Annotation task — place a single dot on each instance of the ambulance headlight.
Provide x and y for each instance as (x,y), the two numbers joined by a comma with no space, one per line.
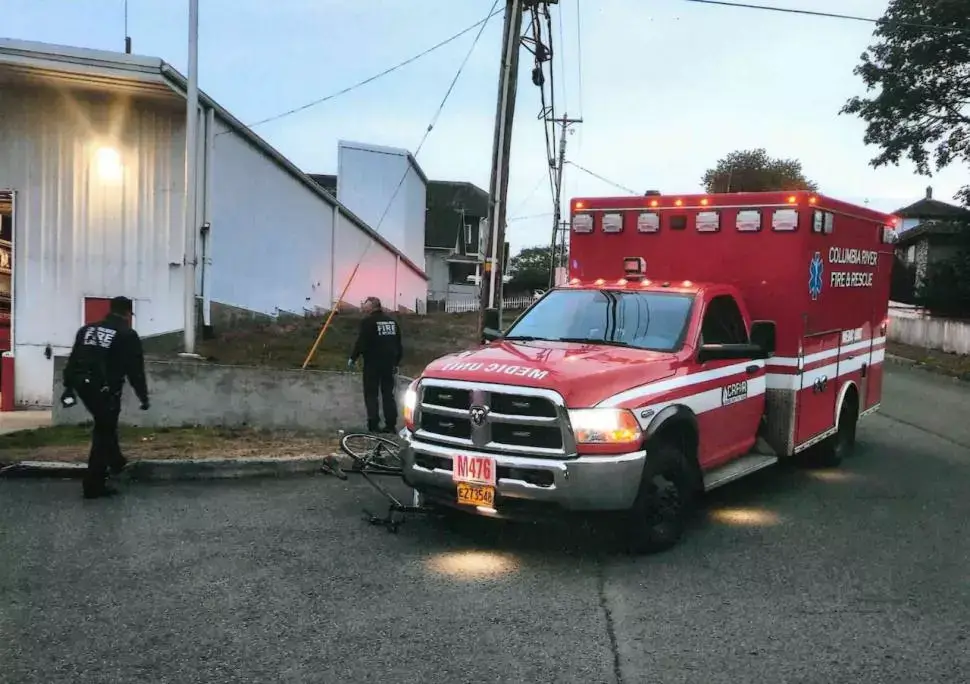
(604,426)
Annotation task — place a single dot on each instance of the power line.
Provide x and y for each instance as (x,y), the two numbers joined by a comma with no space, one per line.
(373,78)
(532,192)
(827,15)
(605,180)
(562,62)
(530,216)
(417,151)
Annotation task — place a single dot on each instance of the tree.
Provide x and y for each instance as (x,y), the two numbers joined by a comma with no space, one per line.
(918,91)
(529,270)
(755,171)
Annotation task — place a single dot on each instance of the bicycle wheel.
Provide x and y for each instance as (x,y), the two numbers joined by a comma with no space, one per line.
(371,452)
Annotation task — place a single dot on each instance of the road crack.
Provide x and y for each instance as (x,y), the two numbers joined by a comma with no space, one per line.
(608,617)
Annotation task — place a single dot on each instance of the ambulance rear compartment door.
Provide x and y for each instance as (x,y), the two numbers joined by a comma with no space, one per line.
(818,389)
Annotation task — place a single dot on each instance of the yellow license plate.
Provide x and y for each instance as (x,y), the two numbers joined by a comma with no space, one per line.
(476,495)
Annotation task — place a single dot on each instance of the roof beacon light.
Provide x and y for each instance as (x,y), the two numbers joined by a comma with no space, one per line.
(634,268)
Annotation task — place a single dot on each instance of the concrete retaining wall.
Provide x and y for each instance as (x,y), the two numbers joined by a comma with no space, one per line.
(930,333)
(194,393)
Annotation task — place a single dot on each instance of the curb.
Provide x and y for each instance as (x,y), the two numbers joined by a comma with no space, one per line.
(168,470)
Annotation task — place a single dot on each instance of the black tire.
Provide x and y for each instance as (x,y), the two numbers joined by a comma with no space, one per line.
(372,453)
(665,500)
(831,452)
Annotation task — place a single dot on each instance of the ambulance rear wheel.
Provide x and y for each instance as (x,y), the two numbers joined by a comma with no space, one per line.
(659,515)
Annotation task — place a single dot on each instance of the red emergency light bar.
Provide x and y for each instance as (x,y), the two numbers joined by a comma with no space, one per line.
(688,202)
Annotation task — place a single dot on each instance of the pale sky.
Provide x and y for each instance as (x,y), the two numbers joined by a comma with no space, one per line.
(668,86)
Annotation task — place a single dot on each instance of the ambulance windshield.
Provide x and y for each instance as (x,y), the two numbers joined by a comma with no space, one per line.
(654,321)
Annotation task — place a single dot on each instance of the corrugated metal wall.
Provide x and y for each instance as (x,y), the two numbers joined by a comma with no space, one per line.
(98,182)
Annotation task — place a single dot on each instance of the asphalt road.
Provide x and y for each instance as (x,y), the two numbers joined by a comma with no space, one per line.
(857,575)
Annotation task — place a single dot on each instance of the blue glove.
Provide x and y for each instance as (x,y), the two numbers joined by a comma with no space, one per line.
(350,363)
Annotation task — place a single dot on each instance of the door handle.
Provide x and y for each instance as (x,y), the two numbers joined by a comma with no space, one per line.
(752,369)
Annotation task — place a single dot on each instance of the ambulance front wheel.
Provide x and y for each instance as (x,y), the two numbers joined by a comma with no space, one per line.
(659,515)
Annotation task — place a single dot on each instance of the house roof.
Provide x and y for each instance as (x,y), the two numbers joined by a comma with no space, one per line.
(929,208)
(327,181)
(446,199)
(151,75)
(931,228)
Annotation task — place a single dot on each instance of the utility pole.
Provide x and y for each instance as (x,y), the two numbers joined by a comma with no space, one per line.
(191,164)
(564,122)
(490,292)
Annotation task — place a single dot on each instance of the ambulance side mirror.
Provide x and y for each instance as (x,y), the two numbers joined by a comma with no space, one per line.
(491,334)
(763,335)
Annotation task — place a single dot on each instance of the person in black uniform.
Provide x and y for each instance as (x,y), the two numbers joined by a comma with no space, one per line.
(379,343)
(104,354)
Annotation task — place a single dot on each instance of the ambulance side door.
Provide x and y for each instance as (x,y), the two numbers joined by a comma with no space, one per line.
(732,403)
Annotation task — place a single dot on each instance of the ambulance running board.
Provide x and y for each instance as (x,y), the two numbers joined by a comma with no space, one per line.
(761,456)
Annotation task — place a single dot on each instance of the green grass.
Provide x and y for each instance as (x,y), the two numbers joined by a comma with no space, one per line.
(70,443)
(286,345)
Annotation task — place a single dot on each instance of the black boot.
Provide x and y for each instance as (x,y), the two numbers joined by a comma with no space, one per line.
(98,492)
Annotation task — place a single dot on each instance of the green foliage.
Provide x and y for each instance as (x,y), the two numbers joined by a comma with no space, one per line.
(946,289)
(529,270)
(918,86)
(755,171)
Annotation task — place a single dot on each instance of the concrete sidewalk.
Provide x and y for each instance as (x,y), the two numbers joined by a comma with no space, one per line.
(23,420)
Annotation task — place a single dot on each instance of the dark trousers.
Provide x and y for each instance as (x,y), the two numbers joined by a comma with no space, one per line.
(105,408)
(379,378)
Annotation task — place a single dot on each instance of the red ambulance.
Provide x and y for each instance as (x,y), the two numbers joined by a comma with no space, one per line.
(700,338)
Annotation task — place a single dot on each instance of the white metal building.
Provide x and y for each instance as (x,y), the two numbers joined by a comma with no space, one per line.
(92,175)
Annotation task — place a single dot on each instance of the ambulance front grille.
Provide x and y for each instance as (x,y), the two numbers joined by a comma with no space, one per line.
(522,421)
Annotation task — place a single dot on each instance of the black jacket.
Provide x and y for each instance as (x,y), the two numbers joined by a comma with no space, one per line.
(379,341)
(104,354)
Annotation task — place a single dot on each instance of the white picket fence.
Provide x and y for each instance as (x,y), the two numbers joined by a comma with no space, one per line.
(471,304)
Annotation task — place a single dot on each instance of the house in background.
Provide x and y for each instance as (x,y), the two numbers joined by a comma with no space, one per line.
(453,237)
(454,240)
(929,233)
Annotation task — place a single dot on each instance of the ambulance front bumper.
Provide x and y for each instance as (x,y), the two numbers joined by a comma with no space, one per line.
(528,487)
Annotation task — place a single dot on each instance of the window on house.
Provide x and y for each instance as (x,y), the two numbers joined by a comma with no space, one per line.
(458,273)
(911,254)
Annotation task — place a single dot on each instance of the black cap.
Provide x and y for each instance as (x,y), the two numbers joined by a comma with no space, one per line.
(120,306)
